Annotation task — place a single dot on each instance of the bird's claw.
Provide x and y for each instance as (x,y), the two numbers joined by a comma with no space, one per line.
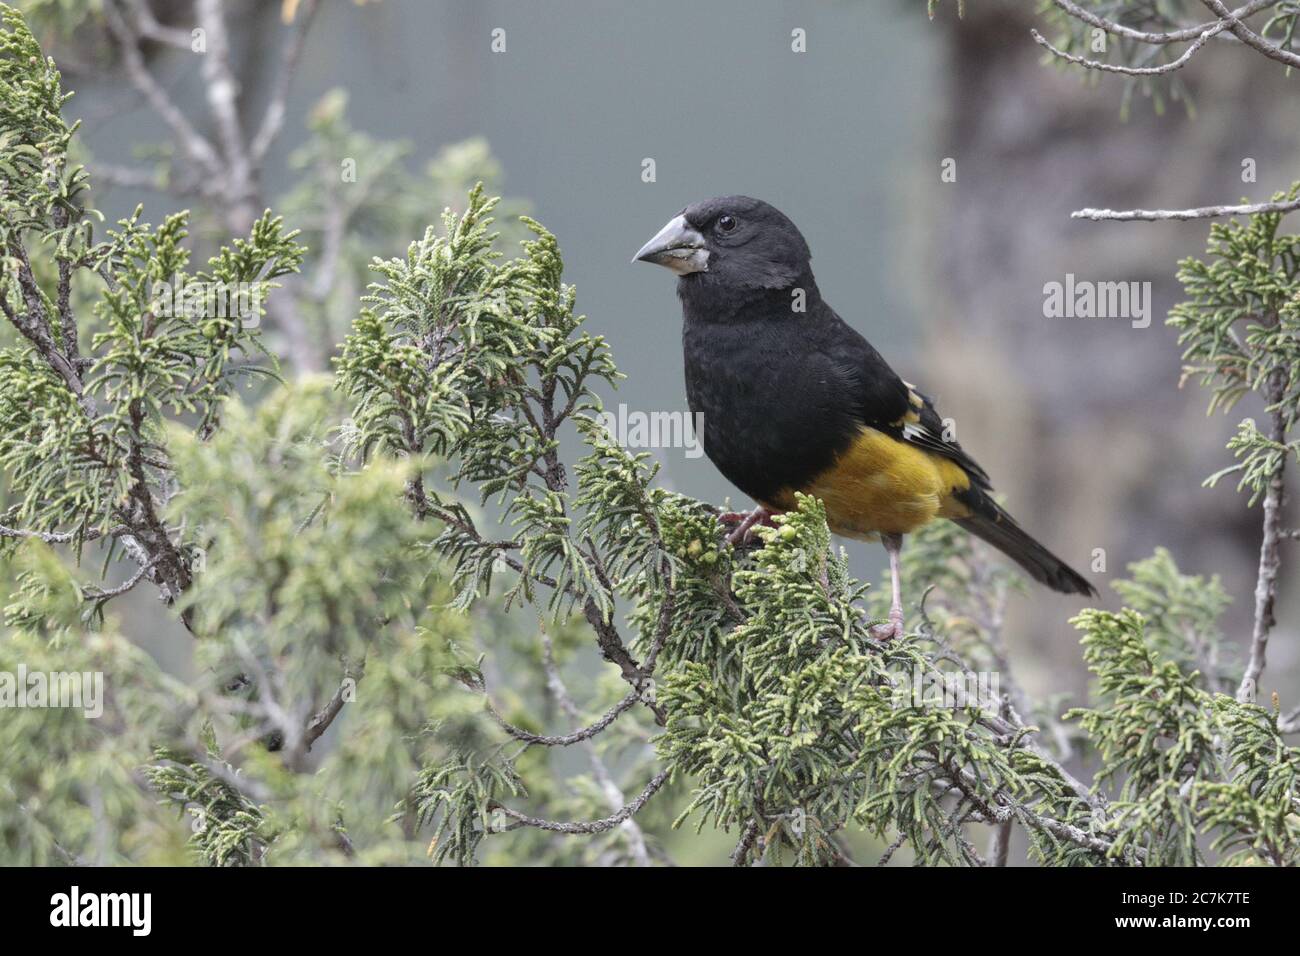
(889,629)
(743,533)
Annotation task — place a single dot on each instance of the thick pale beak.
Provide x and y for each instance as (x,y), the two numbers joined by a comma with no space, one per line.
(677,246)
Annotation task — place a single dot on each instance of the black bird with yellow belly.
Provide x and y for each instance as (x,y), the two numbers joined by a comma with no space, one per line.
(792,398)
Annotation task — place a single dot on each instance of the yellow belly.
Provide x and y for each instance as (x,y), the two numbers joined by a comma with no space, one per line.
(882,485)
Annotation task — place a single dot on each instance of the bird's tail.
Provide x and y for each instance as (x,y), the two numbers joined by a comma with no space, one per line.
(992,524)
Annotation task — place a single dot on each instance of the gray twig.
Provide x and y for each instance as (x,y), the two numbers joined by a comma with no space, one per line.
(593,826)
(222,91)
(96,594)
(1144,36)
(613,793)
(195,146)
(1270,554)
(320,722)
(1201,212)
(1249,37)
(1169,67)
(747,836)
(564,740)
(273,118)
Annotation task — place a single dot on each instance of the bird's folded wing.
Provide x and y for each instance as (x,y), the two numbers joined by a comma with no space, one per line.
(923,427)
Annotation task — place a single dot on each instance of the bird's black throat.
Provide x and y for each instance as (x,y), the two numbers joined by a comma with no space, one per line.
(712,298)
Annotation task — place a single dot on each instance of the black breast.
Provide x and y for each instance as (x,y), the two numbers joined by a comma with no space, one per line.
(776,408)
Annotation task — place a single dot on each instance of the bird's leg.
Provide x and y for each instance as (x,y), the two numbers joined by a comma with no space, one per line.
(743,531)
(894,628)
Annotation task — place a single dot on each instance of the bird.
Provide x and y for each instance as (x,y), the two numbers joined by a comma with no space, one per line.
(794,399)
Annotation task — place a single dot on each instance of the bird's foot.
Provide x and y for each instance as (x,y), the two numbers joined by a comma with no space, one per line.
(744,530)
(889,629)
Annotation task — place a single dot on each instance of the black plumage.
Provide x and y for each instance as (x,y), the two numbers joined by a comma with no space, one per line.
(793,398)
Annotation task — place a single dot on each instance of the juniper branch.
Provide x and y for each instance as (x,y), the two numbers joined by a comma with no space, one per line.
(1005,807)
(228,173)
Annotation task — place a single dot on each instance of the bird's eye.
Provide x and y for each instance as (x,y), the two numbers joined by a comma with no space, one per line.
(726,223)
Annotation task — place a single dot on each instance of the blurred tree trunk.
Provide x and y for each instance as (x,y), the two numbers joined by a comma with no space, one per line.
(1082,420)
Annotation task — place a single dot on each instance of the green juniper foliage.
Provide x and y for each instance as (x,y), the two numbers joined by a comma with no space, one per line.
(70,792)
(431,611)
(1181,615)
(1186,763)
(1240,332)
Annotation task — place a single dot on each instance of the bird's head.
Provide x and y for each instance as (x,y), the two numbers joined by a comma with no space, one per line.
(732,243)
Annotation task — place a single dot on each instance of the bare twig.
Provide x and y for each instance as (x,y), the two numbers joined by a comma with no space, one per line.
(1000,844)
(1144,36)
(565,740)
(57,537)
(593,826)
(273,119)
(148,26)
(195,146)
(747,836)
(1169,67)
(321,720)
(223,95)
(1289,723)
(891,849)
(1201,212)
(613,793)
(1249,37)
(1270,556)
(228,176)
(101,596)
(111,174)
